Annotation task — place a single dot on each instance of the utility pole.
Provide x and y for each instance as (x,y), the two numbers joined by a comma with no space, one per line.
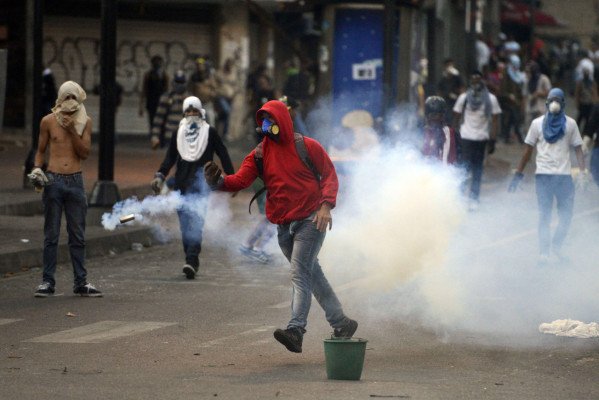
(34,54)
(105,192)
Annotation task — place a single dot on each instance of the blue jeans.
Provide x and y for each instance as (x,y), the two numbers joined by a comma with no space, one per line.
(562,188)
(225,108)
(191,220)
(64,192)
(300,242)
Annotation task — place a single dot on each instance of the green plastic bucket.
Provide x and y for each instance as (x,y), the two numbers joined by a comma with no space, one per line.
(344,358)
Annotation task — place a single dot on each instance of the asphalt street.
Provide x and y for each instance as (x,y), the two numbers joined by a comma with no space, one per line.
(156,335)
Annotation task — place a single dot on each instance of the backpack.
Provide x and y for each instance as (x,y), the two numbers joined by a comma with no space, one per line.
(302,152)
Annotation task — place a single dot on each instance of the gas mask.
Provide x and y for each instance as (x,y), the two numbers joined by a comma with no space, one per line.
(269,129)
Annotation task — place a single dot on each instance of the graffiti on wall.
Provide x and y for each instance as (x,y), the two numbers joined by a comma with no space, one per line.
(78,59)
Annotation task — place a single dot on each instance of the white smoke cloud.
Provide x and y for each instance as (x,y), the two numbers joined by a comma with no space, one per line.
(403,247)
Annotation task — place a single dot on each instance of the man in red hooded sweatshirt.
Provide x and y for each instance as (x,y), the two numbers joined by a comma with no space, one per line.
(300,206)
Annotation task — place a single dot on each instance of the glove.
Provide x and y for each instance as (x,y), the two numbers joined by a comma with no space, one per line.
(491,146)
(586,144)
(157,183)
(38,179)
(582,180)
(212,173)
(516,178)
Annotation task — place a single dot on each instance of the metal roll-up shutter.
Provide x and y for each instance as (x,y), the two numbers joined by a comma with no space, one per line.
(72,52)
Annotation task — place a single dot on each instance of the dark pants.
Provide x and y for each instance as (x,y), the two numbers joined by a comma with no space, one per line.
(192,216)
(584,114)
(562,188)
(511,117)
(64,192)
(473,155)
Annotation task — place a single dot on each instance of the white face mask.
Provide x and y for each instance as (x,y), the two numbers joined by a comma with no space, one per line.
(555,107)
(193,118)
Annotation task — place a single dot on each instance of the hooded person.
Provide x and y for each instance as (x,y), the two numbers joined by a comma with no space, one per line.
(64,141)
(194,144)
(554,135)
(439,139)
(72,106)
(299,203)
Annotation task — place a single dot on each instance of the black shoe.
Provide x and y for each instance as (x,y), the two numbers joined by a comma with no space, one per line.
(44,290)
(348,331)
(189,271)
(87,290)
(290,338)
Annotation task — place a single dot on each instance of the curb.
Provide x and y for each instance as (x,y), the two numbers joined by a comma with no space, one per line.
(110,243)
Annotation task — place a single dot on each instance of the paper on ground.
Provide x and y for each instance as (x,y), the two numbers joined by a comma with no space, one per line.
(570,328)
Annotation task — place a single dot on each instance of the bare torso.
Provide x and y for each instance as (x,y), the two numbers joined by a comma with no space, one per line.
(66,147)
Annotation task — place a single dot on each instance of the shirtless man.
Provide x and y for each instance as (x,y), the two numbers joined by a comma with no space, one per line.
(67,133)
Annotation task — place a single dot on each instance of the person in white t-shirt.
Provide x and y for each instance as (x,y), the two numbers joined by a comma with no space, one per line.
(553,134)
(478,129)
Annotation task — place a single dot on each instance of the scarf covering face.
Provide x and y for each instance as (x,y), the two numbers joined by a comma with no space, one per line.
(513,69)
(192,136)
(74,108)
(554,125)
(476,98)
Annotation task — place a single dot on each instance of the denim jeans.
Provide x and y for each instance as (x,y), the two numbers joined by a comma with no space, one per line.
(562,188)
(225,108)
(473,153)
(64,192)
(191,220)
(300,242)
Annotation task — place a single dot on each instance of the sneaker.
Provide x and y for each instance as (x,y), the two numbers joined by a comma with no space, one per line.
(473,206)
(543,259)
(44,290)
(348,331)
(87,290)
(189,271)
(290,338)
(256,255)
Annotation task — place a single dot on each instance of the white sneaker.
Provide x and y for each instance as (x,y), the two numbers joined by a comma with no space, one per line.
(473,206)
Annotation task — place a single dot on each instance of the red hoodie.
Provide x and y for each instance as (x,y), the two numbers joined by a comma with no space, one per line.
(293,191)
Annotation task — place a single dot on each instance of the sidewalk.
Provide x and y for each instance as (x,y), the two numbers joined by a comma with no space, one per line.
(21,210)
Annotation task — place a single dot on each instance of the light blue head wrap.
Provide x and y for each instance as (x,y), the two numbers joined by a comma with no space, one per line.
(554,125)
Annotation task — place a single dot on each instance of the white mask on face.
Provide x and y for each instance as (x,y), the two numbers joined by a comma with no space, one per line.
(193,118)
(555,107)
